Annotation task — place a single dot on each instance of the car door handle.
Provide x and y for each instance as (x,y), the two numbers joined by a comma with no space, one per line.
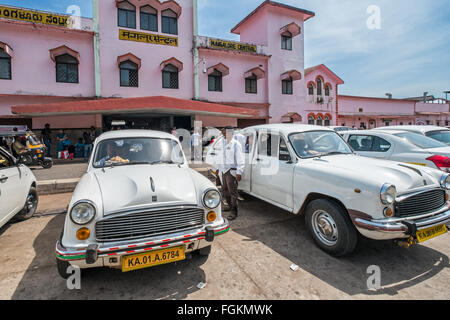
(213,154)
(3,179)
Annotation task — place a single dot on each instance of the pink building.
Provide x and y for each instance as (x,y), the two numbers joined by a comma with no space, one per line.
(140,62)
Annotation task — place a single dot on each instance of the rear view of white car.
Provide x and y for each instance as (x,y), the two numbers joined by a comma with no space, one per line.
(441,134)
(18,195)
(402,146)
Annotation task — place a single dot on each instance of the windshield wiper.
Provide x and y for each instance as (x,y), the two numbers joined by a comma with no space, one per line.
(332,153)
(164,162)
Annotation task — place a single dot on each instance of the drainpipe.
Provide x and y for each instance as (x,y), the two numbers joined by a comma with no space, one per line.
(95,13)
(196,58)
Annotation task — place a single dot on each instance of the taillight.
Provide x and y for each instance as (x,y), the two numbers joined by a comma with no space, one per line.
(441,162)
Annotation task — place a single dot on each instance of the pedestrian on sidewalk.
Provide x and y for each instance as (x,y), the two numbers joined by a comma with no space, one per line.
(89,138)
(231,167)
(46,138)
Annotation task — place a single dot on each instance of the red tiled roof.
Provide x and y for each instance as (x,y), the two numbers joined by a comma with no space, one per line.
(133,105)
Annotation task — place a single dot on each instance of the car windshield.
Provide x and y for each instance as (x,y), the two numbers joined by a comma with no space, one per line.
(134,151)
(318,143)
(440,135)
(420,140)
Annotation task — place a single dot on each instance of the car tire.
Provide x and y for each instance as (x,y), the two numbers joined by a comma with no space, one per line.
(47,164)
(331,227)
(205,251)
(30,207)
(62,268)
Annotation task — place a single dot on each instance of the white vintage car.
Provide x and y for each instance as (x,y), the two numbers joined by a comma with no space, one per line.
(311,170)
(18,195)
(138,205)
(402,146)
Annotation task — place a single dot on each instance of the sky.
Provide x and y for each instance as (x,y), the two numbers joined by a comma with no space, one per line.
(406,53)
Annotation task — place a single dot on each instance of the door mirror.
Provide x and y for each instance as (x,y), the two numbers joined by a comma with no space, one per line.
(285,157)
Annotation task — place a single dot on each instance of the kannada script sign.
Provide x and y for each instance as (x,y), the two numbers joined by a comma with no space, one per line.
(147,38)
(36,17)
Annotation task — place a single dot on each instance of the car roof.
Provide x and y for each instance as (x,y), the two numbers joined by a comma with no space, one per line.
(118,134)
(415,128)
(288,128)
(374,132)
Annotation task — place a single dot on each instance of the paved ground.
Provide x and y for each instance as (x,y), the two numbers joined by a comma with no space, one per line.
(250,262)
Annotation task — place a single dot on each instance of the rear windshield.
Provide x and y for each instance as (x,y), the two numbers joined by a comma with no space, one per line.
(440,135)
(420,140)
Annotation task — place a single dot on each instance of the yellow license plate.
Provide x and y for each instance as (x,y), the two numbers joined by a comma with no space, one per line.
(427,234)
(152,258)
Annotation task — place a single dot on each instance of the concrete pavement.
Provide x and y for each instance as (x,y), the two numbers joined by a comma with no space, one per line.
(250,262)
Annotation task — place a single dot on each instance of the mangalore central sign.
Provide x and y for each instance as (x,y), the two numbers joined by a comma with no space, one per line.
(147,38)
(231,45)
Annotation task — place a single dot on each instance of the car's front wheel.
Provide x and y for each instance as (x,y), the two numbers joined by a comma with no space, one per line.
(30,205)
(330,227)
(62,268)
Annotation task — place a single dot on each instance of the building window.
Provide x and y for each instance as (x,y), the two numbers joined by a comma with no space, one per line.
(149,18)
(327,121)
(319,87)
(170,77)
(311,89)
(129,74)
(286,41)
(169,21)
(327,90)
(311,120)
(5,65)
(319,121)
(287,86)
(126,15)
(66,69)
(215,81)
(251,84)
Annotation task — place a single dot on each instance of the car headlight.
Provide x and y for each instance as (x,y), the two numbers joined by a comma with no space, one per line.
(387,194)
(211,199)
(445,181)
(82,212)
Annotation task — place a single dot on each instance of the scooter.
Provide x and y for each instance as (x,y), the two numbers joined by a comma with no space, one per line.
(33,154)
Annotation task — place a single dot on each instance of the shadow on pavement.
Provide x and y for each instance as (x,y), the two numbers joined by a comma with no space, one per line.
(288,236)
(42,281)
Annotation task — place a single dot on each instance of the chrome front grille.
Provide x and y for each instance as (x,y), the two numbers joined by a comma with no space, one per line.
(147,223)
(424,202)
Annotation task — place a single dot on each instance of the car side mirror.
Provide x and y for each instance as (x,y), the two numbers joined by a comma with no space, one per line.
(285,157)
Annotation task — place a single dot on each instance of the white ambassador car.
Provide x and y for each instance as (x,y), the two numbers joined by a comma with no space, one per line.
(402,146)
(311,170)
(18,195)
(438,133)
(138,205)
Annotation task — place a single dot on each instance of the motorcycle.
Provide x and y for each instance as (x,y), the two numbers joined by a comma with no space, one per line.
(30,151)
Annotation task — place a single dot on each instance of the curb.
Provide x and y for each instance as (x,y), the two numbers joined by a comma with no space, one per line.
(46,187)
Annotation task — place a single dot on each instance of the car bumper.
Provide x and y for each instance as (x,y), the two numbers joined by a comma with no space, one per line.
(109,255)
(401,228)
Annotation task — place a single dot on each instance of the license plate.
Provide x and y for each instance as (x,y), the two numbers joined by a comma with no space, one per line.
(427,234)
(152,258)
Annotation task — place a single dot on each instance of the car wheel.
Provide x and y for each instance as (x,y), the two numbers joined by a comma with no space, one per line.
(62,268)
(205,251)
(331,227)
(30,205)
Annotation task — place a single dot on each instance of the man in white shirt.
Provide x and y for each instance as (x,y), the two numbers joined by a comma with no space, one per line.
(196,145)
(241,139)
(231,167)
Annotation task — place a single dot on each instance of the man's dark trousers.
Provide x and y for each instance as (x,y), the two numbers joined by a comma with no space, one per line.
(230,191)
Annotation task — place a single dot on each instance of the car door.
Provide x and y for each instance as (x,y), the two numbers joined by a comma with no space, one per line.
(11,193)
(370,146)
(271,177)
(249,148)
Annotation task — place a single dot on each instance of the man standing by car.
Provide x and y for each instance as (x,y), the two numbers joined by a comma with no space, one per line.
(231,166)
(89,138)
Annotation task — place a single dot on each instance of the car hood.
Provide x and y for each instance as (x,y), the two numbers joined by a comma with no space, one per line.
(403,176)
(133,187)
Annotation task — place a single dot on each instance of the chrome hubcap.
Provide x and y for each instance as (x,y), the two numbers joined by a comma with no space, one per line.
(31,203)
(325,227)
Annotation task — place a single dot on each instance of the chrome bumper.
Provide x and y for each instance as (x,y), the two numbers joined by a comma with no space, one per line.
(400,228)
(199,237)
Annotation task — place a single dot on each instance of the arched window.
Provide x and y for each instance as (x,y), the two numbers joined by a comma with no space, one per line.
(327,121)
(319,121)
(169,21)
(251,84)
(170,77)
(286,41)
(66,69)
(5,65)
(149,18)
(311,89)
(327,90)
(126,15)
(311,120)
(319,86)
(129,76)
(215,81)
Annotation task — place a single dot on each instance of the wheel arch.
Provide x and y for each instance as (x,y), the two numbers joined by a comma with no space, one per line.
(315,196)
